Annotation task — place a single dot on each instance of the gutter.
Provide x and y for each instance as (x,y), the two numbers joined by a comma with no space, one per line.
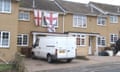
(31,9)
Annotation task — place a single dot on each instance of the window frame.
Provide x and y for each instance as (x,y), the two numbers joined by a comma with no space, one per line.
(113,38)
(1,35)
(113,19)
(102,38)
(101,19)
(3,7)
(21,36)
(80,38)
(79,18)
(22,17)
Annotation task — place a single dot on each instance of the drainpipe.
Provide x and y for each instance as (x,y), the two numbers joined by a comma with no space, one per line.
(63,23)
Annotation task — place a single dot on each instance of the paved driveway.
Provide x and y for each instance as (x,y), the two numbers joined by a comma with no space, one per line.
(40,65)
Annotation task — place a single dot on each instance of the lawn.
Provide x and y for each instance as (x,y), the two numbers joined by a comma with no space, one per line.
(4,67)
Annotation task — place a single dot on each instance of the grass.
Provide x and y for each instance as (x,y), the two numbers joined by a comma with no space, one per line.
(82,58)
(4,67)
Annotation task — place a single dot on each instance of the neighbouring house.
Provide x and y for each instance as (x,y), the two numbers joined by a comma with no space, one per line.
(8,29)
(95,25)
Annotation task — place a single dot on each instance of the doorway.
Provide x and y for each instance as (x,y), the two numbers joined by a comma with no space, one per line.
(92,45)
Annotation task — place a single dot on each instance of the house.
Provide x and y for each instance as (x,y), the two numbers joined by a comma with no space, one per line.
(95,25)
(89,23)
(82,24)
(111,17)
(8,29)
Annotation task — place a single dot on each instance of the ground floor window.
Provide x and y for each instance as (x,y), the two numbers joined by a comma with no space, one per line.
(101,41)
(113,38)
(4,39)
(22,40)
(80,39)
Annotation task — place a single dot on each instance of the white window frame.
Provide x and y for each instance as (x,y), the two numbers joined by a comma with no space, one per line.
(113,19)
(114,35)
(80,36)
(77,19)
(22,39)
(3,7)
(23,15)
(101,19)
(3,46)
(101,40)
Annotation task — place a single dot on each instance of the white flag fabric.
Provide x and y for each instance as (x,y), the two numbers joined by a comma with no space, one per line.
(37,17)
(51,20)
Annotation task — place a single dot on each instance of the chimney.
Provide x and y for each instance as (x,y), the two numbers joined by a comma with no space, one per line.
(118,9)
(91,8)
(33,4)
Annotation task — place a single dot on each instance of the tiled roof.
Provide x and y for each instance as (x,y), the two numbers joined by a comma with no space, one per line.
(41,4)
(107,7)
(75,7)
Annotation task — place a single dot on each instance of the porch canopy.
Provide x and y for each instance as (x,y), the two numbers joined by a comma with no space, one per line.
(37,33)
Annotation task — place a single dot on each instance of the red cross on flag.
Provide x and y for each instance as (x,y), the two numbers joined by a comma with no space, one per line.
(37,17)
(51,20)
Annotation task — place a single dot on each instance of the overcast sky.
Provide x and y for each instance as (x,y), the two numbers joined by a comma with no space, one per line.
(113,2)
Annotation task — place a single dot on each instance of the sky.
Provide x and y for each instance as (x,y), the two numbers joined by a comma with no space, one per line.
(113,2)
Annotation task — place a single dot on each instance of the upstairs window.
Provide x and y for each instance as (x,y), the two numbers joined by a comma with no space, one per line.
(25,16)
(79,21)
(5,6)
(113,19)
(101,21)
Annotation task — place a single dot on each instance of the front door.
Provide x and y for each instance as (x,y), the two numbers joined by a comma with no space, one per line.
(90,46)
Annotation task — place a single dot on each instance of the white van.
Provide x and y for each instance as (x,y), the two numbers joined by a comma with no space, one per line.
(55,48)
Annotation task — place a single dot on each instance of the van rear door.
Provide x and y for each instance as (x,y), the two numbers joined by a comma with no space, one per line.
(71,47)
(61,47)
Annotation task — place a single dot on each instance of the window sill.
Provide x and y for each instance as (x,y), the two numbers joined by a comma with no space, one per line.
(5,12)
(79,27)
(45,26)
(81,45)
(101,25)
(114,23)
(101,46)
(112,42)
(24,20)
(22,45)
(4,47)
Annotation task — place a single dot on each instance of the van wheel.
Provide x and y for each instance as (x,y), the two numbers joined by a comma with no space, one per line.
(49,59)
(69,60)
